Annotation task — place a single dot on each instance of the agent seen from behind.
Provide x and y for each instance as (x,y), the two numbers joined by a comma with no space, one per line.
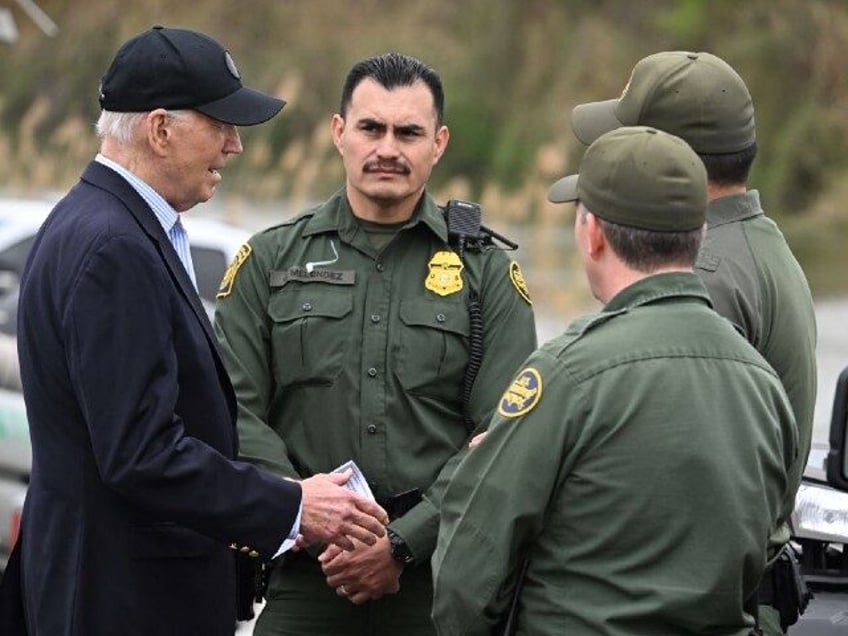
(751,274)
(638,461)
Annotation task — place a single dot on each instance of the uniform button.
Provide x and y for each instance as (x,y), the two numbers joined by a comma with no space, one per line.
(245,548)
(372,372)
(233,546)
(253,554)
(372,429)
(440,318)
(380,267)
(375,318)
(306,307)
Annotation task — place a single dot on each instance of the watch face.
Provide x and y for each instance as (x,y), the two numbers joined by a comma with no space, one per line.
(403,555)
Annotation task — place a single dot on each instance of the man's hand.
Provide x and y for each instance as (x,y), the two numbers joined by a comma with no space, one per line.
(365,574)
(333,514)
(475,441)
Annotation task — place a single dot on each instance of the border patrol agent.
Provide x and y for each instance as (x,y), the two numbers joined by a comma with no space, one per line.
(637,461)
(348,333)
(751,274)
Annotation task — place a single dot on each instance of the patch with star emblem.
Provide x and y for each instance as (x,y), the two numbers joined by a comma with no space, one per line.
(445,277)
(226,286)
(518,281)
(522,395)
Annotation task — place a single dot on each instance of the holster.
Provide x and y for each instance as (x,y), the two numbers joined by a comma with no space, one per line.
(12,614)
(398,505)
(784,588)
(251,585)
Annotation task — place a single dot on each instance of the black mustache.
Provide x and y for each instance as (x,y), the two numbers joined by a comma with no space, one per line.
(373,166)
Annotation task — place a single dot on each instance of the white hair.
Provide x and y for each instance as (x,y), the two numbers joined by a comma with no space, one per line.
(122,126)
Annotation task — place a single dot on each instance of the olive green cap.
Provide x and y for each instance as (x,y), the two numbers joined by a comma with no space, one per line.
(695,96)
(639,177)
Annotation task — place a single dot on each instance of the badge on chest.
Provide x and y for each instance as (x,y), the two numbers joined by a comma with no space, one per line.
(445,276)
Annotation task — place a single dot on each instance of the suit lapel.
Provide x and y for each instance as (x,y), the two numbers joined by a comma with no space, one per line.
(107,179)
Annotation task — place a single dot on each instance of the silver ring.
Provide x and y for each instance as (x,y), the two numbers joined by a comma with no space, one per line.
(343,590)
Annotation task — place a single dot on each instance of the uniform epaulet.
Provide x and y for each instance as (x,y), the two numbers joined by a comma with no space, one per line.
(303,216)
(576,330)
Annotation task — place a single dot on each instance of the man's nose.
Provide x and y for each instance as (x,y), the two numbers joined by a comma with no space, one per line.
(388,146)
(233,144)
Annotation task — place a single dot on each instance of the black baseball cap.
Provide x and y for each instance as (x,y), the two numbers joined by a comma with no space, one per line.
(181,69)
(695,96)
(639,177)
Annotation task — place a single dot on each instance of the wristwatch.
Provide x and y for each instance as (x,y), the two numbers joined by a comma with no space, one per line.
(400,551)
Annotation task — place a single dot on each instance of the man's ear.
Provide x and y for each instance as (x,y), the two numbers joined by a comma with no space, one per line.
(596,241)
(159,129)
(440,143)
(337,127)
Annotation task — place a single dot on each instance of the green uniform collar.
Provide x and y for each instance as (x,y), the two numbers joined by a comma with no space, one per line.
(336,216)
(733,208)
(658,287)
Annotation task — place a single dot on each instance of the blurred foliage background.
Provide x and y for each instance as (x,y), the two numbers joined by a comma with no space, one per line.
(512,70)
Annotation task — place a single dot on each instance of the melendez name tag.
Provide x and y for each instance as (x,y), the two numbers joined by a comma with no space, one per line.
(279,278)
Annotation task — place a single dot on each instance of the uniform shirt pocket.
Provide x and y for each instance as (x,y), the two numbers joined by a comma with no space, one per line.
(433,347)
(309,335)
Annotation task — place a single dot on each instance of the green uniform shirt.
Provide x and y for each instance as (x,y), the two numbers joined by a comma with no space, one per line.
(338,351)
(755,282)
(639,461)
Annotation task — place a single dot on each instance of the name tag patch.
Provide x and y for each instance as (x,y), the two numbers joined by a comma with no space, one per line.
(278,278)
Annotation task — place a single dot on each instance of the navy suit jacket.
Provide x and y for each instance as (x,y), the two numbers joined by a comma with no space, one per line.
(136,507)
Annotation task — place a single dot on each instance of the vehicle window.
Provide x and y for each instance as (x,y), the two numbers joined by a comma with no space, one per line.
(14,257)
(209,267)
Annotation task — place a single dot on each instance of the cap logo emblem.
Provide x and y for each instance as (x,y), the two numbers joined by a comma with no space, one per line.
(231,65)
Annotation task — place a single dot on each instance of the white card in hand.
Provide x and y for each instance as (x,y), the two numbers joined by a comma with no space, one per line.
(357,482)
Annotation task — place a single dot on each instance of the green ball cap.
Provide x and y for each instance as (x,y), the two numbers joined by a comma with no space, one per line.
(639,177)
(696,96)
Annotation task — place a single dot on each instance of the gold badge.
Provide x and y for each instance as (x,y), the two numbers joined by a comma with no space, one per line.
(522,395)
(226,286)
(518,281)
(445,275)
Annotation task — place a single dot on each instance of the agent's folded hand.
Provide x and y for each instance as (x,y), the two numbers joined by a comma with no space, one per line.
(333,514)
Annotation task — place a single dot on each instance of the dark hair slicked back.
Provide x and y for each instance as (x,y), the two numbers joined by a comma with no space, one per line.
(393,70)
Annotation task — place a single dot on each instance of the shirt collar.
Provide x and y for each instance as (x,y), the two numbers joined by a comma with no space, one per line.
(733,208)
(658,287)
(162,210)
(336,216)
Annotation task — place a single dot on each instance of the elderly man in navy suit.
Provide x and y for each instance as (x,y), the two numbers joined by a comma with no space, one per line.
(137,507)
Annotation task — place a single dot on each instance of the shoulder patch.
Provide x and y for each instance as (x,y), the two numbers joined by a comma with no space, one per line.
(522,395)
(226,286)
(518,281)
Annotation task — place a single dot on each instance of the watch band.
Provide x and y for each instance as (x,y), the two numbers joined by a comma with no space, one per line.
(400,551)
